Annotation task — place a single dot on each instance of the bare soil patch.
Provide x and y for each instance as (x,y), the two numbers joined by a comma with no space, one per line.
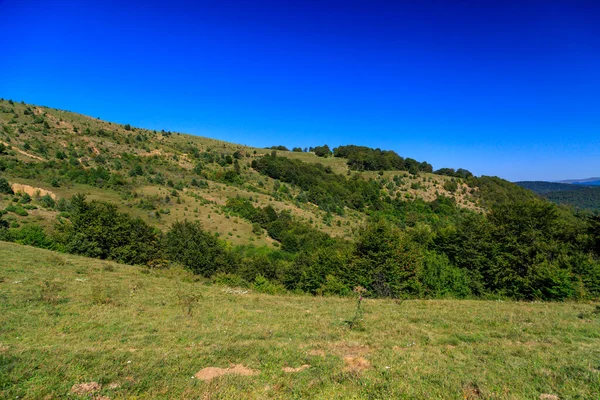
(356,364)
(298,369)
(319,353)
(210,373)
(32,191)
(85,388)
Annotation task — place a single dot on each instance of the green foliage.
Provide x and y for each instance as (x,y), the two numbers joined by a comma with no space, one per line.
(17,210)
(31,235)
(493,191)
(322,151)
(280,147)
(5,187)
(294,236)
(459,173)
(451,185)
(331,192)
(385,261)
(229,279)
(200,252)
(333,286)
(439,278)
(263,285)
(97,229)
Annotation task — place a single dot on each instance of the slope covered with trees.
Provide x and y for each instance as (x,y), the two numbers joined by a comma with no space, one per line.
(578,196)
(280,220)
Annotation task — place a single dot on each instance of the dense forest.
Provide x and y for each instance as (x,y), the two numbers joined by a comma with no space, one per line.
(578,196)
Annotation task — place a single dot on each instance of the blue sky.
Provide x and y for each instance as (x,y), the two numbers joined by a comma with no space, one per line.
(498,87)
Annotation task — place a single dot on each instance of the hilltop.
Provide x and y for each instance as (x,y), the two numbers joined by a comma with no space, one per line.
(163,176)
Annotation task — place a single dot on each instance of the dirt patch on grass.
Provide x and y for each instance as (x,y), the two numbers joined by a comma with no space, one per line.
(32,191)
(81,389)
(210,373)
(546,396)
(356,364)
(319,353)
(298,369)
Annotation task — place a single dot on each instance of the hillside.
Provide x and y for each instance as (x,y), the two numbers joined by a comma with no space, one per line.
(324,222)
(577,195)
(82,328)
(166,176)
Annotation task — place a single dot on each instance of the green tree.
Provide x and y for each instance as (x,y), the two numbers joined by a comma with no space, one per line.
(5,187)
(199,251)
(385,261)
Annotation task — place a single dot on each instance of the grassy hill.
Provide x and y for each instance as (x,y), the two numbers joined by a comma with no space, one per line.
(85,328)
(576,195)
(151,174)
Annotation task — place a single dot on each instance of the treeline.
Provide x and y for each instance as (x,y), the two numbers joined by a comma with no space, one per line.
(320,185)
(459,173)
(577,196)
(361,158)
(523,250)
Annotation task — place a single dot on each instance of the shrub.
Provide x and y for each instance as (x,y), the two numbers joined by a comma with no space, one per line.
(263,285)
(47,201)
(199,251)
(32,235)
(231,280)
(5,187)
(334,286)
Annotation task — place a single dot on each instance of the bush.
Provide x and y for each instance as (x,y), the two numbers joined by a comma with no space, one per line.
(17,210)
(47,201)
(32,235)
(98,230)
(334,286)
(263,285)
(199,251)
(231,280)
(439,278)
(5,187)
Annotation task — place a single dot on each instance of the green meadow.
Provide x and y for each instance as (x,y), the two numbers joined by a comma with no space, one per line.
(136,333)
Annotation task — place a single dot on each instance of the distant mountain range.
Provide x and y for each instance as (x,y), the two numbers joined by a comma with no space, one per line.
(583,194)
(584,182)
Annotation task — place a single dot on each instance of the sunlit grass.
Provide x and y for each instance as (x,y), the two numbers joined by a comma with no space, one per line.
(66,320)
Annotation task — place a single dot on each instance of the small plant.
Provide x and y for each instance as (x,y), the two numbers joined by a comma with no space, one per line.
(49,292)
(187,301)
(55,259)
(356,321)
(104,294)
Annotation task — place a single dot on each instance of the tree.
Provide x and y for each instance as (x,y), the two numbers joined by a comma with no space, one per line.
(199,251)
(5,187)
(322,151)
(98,230)
(385,261)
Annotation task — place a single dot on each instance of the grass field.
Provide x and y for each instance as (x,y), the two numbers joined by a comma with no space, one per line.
(133,333)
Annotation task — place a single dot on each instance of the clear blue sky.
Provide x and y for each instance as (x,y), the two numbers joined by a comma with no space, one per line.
(498,87)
